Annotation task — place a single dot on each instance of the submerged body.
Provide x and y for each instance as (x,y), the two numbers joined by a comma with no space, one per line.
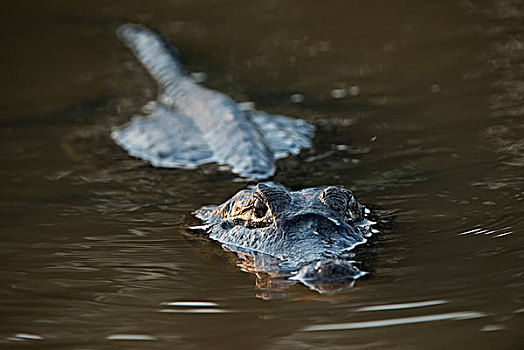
(307,235)
(193,125)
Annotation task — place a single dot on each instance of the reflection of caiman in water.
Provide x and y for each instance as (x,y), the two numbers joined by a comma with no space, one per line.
(306,235)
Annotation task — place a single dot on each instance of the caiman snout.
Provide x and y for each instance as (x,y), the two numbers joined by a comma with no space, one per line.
(315,218)
(315,224)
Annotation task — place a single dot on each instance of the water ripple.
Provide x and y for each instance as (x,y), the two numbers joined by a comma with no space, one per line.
(195,311)
(462,315)
(193,307)
(501,232)
(190,303)
(26,336)
(130,337)
(402,305)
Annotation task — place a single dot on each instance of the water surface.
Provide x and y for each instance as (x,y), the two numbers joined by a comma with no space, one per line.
(418,108)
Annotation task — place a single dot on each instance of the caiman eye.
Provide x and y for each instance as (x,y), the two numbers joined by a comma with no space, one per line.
(260,208)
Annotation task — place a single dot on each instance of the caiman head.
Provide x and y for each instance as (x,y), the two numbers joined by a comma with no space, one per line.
(311,232)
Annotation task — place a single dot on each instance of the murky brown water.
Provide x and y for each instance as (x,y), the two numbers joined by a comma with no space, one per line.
(94,254)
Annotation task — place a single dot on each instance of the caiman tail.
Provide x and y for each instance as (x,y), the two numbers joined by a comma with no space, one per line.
(193,125)
(158,57)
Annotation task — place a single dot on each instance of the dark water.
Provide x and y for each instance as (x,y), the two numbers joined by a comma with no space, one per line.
(94,248)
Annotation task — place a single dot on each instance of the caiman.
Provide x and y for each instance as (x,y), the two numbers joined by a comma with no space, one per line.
(191,125)
(306,235)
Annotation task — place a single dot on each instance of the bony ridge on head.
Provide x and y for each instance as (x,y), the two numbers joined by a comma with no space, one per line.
(274,197)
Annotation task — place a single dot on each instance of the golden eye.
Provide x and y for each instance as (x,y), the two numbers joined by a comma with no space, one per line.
(260,208)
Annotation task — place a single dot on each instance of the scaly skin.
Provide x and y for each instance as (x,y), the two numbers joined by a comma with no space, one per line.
(311,232)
